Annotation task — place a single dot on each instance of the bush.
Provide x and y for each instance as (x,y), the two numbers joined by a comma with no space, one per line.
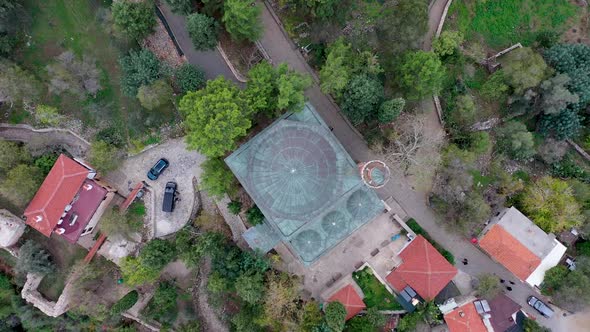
(138,68)
(33,258)
(135,18)
(154,95)
(157,253)
(583,248)
(254,216)
(112,136)
(234,207)
(125,303)
(568,169)
(103,157)
(390,110)
(189,78)
(203,31)
(335,316)
(420,231)
(45,162)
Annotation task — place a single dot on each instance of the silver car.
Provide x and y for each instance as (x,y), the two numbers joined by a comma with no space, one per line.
(540,306)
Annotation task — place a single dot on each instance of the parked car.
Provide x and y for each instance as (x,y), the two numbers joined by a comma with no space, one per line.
(540,306)
(169,197)
(157,169)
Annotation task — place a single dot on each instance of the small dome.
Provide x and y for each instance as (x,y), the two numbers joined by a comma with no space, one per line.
(359,204)
(334,223)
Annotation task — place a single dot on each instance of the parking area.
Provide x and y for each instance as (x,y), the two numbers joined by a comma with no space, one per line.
(184,166)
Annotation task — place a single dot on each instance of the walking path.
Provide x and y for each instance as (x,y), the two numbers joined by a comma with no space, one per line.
(41,138)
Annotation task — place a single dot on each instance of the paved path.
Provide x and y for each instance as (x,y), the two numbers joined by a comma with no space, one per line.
(210,61)
(41,138)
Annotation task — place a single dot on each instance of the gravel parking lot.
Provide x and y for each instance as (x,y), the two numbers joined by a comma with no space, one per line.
(184,165)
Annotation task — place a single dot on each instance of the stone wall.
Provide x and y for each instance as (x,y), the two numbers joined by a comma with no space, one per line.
(50,308)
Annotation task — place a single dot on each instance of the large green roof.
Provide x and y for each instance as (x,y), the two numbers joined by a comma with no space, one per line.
(305,184)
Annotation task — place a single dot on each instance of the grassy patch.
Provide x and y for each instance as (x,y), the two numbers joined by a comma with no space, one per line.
(505,22)
(376,295)
(480,180)
(420,231)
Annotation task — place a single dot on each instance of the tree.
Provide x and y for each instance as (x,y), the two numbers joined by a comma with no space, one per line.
(488,286)
(555,94)
(359,324)
(32,258)
(250,288)
(47,115)
(157,253)
(78,77)
(134,18)
(573,60)
(532,326)
(402,26)
(125,303)
(138,68)
(377,319)
(17,86)
(551,204)
(254,216)
(524,69)
(335,316)
(155,94)
(463,114)
(515,140)
(494,88)
(361,98)
(552,151)
(409,321)
(215,117)
(447,43)
(135,273)
(189,78)
(336,71)
(103,157)
(203,31)
(217,179)
(114,222)
(21,183)
(180,6)
(291,85)
(280,301)
(162,307)
(311,317)
(421,74)
(390,110)
(566,124)
(12,155)
(242,19)
(553,279)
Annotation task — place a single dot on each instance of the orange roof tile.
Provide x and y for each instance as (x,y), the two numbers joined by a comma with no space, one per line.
(57,191)
(350,299)
(423,268)
(465,319)
(508,251)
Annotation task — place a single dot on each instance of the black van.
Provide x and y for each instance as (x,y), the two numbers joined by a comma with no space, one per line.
(169,195)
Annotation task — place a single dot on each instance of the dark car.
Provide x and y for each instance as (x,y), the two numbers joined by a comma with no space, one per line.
(157,169)
(169,197)
(540,306)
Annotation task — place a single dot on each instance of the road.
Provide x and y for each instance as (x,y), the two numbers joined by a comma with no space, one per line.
(281,49)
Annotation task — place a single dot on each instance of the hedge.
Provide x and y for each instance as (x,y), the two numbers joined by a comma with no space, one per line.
(420,231)
(125,303)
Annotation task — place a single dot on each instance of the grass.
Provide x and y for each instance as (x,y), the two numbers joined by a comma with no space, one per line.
(505,22)
(480,180)
(420,231)
(376,295)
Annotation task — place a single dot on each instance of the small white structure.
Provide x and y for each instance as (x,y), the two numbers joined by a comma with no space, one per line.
(11,228)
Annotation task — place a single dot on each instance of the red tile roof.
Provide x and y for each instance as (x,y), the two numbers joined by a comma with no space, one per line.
(465,319)
(57,191)
(423,268)
(350,299)
(508,251)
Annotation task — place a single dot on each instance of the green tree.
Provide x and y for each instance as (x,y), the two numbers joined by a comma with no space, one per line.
(32,258)
(421,74)
(215,117)
(254,216)
(103,157)
(162,307)
(189,78)
(250,287)
(12,155)
(532,326)
(138,68)
(157,253)
(551,204)
(447,43)
(203,31)
(134,18)
(312,317)
(515,140)
(21,183)
(361,98)
(390,110)
(409,322)
(376,318)
(554,278)
(155,94)
(463,114)
(47,115)
(280,300)
(242,19)
(359,324)
(260,92)
(564,125)
(291,85)
(479,142)
(494,88)
(488,286)
(217,179)
(125,303)
(524,69)
(555,94)
(17,86)
(573,60)
(322,9)
(336,71)
(135,273)
(335,316)
(180,6)
(114,222)
(402,26)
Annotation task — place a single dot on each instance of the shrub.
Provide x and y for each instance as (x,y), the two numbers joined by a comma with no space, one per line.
(157,253)
(155,94)
(47,115)
(390,110)
(125,303)
(447,43)
(135,18)
(203,31)
(45,162)
(335,316)
(103,157)
(189,78)
(112,136)
(254,216)
(583,248)
(234,207)
(138,68)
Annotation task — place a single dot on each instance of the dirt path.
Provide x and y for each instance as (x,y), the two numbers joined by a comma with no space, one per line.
(201,300)
(43,138)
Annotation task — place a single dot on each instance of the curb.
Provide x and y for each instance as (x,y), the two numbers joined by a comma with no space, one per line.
(236,73)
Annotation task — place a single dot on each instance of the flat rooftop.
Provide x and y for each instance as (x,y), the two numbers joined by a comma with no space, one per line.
(84,205)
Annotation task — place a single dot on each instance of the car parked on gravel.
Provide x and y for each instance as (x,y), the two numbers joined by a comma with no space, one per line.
(169,197)
(157,169)
(540,306)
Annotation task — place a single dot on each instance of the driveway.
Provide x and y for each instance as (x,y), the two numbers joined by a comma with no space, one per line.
(184,166)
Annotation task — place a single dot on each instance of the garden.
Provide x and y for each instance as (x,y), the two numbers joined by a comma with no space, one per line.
(376,295)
